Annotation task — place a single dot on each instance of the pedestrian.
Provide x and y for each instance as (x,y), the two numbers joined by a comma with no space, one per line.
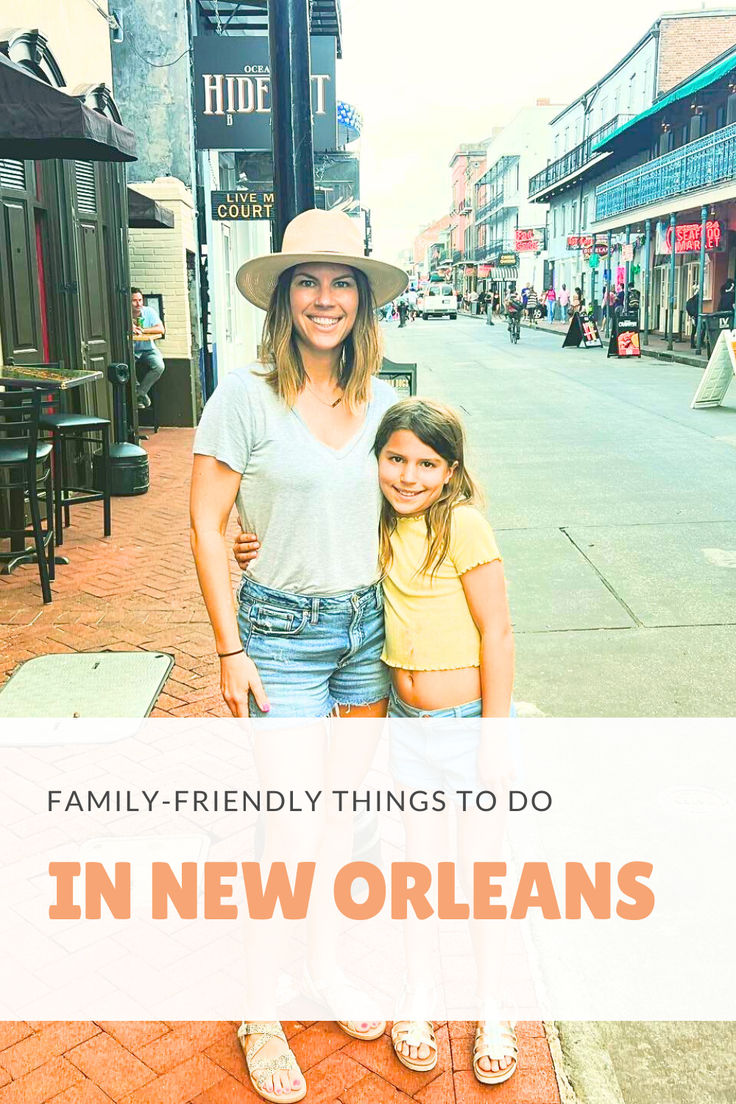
(403,309)
(633,301)
(524,295)
(578,301)
(727,295)
(311,474)
(564,302)
(149,364)
(551,300)
(532,306)
(691,309)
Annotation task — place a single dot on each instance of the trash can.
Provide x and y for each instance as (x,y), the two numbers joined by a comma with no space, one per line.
(714,324)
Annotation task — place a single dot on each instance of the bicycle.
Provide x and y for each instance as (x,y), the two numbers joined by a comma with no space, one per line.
(514,318)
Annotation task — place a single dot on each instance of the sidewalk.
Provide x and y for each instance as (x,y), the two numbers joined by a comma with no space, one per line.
(137,590)
(657,347)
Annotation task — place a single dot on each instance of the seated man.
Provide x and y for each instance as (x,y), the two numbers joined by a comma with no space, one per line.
(149,364)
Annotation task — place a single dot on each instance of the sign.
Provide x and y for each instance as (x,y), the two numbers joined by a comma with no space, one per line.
(232,92)
(588,244)
(719,371)
(504,260)
(241,205)
(529,241)
(582,331)
(687,237)
(627,251)
(594,260)
(484,271)
(624,340)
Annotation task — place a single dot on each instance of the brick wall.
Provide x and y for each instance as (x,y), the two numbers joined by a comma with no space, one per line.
(158,262)
(688,43)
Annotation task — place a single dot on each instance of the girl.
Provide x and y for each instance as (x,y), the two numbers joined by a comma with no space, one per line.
(450,649)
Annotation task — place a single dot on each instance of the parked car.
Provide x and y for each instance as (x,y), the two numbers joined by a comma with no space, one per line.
(439,299)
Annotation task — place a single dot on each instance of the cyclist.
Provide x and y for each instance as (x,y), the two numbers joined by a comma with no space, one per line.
(514,309)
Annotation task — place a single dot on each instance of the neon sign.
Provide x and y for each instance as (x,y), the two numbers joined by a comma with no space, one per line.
(529,241)
(687,237)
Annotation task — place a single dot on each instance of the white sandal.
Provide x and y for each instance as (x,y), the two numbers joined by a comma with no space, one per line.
(495,1040)
(280,1063)
(415,1033)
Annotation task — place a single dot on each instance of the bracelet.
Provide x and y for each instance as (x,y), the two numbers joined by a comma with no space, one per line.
(226,655)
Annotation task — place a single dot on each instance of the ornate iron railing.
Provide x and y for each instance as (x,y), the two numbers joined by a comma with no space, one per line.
(700,164)
(574,159)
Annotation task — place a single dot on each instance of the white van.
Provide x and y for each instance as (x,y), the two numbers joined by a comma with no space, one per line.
(439,299)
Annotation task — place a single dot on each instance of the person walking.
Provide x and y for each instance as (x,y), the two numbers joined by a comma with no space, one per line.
(551,300)
(149,364)
(727,296)
(564,302)
(532,306)
(691,309)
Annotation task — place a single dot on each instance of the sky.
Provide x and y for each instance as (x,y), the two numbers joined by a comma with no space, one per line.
(430,74)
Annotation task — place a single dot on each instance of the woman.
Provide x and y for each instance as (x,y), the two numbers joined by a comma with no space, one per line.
(290,440)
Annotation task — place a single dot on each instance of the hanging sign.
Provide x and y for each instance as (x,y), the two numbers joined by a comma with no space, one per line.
(529,241)
(240,205)
(232,92)
(624,340)
(687,237)
(582,331)
(719,371)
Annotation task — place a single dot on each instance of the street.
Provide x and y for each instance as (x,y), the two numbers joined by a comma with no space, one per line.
(614,507)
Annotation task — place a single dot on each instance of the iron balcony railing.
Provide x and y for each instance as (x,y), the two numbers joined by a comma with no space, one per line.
(575,159)
(700,164)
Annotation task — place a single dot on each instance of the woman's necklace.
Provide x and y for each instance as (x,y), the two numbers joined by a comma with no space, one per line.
(332,405)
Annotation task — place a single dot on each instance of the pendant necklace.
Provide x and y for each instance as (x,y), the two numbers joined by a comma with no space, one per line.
(332,405)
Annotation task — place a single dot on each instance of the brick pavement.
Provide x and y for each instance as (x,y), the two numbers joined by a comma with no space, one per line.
(137,590)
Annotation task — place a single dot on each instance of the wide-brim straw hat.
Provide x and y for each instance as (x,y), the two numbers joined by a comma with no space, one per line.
(330,237)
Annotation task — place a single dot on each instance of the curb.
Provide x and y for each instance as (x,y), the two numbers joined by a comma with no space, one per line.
(583,1066)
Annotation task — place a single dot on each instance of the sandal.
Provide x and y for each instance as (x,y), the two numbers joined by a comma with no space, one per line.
(495,1039)
(414,1033)
(350,1027)
(284,1062)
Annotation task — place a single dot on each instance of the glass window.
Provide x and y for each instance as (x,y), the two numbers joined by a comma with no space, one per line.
(720,117)
(562,219)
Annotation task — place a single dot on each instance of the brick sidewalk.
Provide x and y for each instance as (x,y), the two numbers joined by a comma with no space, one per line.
(137,590)
(145,1062)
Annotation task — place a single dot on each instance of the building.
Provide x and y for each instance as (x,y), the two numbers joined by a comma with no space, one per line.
(672,48)
(430,250)
(671,191)
(63,231)
(509,230)
(466,165)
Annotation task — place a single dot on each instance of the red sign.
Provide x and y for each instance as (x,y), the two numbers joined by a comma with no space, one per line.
(588,244)
(483,271)
(687,237)
(529,241)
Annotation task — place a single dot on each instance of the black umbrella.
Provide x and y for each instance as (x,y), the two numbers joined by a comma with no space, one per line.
(38,122)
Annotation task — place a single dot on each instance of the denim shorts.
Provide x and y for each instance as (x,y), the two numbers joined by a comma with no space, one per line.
(313,653)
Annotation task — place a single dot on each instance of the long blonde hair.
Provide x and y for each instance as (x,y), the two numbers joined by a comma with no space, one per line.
(362,351)
(440,428)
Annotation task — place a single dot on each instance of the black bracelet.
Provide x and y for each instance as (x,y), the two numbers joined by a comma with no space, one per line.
(226,655)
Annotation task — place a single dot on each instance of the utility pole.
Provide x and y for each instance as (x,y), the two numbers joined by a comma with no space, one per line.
(291,112)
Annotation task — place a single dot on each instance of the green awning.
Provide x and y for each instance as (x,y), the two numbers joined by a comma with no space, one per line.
(719,68)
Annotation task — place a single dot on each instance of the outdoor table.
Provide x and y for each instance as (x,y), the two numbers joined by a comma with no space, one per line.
(48,379)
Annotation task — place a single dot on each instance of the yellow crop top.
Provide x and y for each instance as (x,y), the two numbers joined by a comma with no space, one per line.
(428,624)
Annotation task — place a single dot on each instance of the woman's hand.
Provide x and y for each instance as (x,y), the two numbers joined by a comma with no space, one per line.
(245,549)
(238,678)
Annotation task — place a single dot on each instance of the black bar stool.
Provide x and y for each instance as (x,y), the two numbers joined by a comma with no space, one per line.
(21,454)
(87,428)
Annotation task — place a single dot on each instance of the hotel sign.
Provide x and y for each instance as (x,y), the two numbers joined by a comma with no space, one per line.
(232,100)
(240,205)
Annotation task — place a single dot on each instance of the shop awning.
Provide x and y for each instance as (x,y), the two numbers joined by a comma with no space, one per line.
(707,76)
(145,213)
(510,273)
(38,122)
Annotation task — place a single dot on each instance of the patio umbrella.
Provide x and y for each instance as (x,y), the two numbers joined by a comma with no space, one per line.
(38,122)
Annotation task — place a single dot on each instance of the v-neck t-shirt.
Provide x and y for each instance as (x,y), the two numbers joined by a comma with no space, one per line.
(314,509)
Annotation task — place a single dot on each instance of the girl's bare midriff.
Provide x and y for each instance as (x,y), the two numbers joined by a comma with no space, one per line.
(438,689)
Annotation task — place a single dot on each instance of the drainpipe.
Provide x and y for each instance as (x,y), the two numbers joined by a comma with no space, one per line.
(291,112)
(608,284)
(701,277)
(647,278)
(671,318)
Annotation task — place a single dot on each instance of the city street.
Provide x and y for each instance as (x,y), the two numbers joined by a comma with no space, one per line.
(614,507)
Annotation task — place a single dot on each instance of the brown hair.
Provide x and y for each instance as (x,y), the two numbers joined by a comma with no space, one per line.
(362,351)
(440,428)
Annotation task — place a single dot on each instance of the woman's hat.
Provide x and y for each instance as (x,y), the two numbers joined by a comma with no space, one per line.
(330,237)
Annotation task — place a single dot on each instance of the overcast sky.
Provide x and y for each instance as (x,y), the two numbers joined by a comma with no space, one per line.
(429,74)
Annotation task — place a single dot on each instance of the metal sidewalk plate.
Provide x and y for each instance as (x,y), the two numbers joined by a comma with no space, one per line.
(86,684)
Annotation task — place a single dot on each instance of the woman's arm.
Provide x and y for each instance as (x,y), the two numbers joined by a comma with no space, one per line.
(213,492)
(485,592)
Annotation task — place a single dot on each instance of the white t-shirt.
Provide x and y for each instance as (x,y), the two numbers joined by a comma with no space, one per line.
(314,509)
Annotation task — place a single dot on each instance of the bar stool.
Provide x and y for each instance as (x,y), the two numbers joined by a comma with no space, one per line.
(21,453)
(85,428)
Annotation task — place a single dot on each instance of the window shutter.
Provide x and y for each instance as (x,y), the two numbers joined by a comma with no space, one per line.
(86,184)
(12,174)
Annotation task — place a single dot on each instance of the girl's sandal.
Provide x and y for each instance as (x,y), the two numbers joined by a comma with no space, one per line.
(280,1063)
(413,1033)
(495,1040)
(351,1028)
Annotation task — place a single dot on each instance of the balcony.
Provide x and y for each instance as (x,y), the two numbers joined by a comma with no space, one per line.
(575,159)
(706,162)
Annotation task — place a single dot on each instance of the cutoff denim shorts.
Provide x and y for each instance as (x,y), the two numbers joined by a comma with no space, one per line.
(313,653)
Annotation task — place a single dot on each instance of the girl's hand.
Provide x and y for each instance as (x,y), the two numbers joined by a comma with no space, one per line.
(245,549)
(238,678)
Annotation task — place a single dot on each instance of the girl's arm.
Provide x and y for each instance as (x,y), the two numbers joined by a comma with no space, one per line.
(213,492)
(485,593)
